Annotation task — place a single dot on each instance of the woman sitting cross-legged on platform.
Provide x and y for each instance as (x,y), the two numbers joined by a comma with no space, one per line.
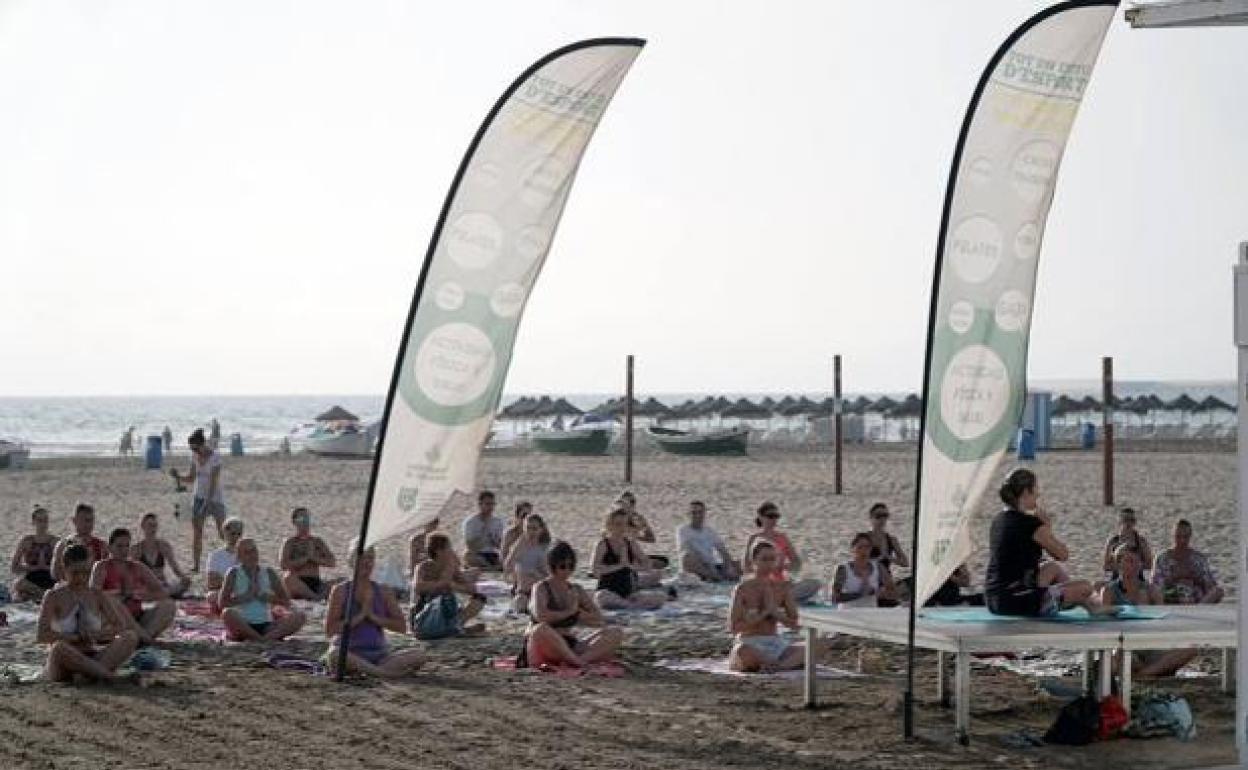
(374,611)
(1017,583)
(557,606)
(759,603)
(248,597)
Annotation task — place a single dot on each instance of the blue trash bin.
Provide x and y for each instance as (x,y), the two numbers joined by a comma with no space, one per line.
(1026,444)
(1087,438)
(153,454)
(236,445)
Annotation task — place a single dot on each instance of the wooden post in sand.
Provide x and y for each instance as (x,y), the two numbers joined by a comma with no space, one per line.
(838,422)
(628,422)
(1107,427)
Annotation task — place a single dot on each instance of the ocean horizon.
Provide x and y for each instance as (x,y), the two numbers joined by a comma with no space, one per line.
(55,426)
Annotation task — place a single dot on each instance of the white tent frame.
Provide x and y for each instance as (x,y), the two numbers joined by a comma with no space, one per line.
(1222,13)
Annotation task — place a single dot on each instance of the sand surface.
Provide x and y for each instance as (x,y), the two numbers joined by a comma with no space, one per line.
(220,707)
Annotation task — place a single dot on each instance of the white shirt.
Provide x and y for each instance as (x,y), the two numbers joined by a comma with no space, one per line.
(483,536)
(220,561)
(703,543)
(203,477)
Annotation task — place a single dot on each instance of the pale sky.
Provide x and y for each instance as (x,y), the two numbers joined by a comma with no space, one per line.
(235,197)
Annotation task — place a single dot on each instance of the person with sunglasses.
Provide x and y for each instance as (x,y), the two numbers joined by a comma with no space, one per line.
(556,607)
(767,521)
(83,628)
(32,560)
(760,603)
(618,560)
(1131,537)
(885,549)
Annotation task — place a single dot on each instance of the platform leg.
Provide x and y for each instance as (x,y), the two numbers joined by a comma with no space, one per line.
(810,697)
(942,681)
(962,696)
(1085,677)
(1228,670)
(1106,685)
(1127,663)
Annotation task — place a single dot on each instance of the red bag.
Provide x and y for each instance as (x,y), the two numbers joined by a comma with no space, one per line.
(1113,718)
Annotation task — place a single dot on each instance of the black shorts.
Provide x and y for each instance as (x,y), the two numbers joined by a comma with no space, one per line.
(1022,602)
(260,628)
(42,578)
(314,584)
(490,559)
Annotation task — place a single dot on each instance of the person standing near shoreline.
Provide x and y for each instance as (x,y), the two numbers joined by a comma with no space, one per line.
(209,499)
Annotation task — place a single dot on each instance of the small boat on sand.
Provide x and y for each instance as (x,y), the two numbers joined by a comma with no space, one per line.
(729,441)
(572,442)
(338,433)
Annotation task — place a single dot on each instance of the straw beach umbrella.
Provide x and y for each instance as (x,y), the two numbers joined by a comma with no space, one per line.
(336,414)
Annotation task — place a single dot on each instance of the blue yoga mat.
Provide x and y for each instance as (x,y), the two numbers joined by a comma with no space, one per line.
(1076,615)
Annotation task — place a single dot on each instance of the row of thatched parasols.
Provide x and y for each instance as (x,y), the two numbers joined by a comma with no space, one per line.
(529,407)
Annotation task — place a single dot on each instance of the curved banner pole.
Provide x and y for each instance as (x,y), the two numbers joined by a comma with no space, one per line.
(996,205)
(488,246)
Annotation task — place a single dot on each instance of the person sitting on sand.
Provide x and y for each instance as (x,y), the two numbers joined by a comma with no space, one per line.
(1016,582)
(790,563)
(303,556)
(885,549)
(483,535)
(1129,536)
(436,612)
(516,528)
(84,535)
(32,560)
(617,560)
(248,596)
(418,548)
(156,553)
(374,611)
(759,603)
(1129,589)
(1184,574)
(220,560)
(640,530)
(208,499)
(863,581)
(87,635)
(557,606)
(132,585)
(702,550)
(525,563)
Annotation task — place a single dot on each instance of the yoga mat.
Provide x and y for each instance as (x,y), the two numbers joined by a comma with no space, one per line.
(1076,615)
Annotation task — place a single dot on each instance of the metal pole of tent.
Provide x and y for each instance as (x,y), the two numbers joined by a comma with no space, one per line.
(1241,660)
(1107,426)
(628,422)
(838,422)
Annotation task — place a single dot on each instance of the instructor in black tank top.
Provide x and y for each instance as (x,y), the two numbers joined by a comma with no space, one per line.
(1017,582)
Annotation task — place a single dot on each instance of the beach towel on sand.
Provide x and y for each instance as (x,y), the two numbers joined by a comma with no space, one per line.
(720,666)
(608,670)
(284,661)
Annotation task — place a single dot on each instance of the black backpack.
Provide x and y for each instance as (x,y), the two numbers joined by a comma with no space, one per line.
(1077,723)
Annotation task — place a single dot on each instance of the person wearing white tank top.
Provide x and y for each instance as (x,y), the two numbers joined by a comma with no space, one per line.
(860,582)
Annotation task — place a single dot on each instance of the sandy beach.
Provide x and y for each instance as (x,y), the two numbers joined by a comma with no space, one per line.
(219,706)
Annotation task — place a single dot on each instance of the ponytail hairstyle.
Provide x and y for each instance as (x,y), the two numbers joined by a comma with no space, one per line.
(1019,481)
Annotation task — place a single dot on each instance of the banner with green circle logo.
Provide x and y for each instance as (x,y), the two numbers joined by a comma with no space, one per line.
(491,240)
(1002,184)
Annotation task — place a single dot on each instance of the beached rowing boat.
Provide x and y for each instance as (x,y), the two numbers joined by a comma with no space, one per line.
(572,442)
(730,441)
